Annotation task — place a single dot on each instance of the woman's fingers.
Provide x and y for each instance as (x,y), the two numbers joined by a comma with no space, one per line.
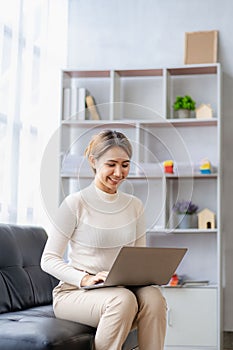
(100,276)
(93,279)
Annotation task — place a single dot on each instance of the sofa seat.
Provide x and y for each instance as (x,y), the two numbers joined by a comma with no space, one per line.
(27,321)
(37,328)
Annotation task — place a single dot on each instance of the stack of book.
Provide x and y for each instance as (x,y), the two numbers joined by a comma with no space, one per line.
(78,104)
(74,103)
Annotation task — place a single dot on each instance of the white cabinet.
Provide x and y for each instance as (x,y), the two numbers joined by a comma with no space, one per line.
(139,103)
(191,318)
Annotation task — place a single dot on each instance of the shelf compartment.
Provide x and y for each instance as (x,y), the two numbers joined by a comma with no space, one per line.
(191,189)
(127,95)
(202,248)
(75,136)
(94,83)
(200,82)
(185,144)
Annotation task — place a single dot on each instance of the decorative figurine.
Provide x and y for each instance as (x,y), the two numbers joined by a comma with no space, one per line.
(205,167)
(204,111)
(206,219)
(168,166)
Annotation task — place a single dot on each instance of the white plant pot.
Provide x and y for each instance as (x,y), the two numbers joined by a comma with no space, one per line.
(184,113)
(187,221)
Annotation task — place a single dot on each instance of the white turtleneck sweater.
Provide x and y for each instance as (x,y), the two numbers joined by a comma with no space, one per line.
(94,225)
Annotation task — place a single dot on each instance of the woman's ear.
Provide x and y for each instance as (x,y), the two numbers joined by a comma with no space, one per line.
(92,161)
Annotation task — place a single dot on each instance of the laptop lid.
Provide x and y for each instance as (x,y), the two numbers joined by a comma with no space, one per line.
(140,266)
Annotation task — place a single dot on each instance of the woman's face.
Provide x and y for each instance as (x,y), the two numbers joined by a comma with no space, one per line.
(111,169)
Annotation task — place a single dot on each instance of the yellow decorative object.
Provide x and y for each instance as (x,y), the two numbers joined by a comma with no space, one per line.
(205,167)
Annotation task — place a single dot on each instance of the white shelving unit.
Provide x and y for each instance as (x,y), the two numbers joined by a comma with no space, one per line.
(139,103)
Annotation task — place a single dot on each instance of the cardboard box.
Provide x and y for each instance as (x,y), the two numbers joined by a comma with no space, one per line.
(201,47)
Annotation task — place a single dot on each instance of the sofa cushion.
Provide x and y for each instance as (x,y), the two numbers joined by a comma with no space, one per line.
(22,282)
(37,328)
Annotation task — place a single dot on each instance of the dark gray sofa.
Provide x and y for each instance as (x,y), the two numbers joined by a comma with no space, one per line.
(27,321)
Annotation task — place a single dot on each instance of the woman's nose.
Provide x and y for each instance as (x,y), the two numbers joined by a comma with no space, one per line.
(117,171)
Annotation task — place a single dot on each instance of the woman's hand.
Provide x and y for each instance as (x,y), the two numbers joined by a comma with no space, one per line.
(88,280)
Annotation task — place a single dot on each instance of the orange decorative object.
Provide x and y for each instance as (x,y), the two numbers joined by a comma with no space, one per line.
(174,281)
(168,166)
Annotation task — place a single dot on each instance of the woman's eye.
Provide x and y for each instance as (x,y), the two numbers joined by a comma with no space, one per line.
(113,164)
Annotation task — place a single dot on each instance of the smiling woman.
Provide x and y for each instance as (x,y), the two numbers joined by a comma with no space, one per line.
(96,222)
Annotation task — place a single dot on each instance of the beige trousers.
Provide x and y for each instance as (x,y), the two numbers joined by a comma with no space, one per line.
(114,311)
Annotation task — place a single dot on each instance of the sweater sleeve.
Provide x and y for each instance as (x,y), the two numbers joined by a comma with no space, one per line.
(52,260)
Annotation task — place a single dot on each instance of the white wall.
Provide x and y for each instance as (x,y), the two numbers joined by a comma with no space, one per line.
(111,34)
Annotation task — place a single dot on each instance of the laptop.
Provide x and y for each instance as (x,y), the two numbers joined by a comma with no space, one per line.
(141,266)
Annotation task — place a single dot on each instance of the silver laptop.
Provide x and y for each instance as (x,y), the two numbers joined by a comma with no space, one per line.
(141,266)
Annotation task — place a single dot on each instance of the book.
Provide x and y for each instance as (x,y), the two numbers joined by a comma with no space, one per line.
(77,103)
(91,107)
(193,283)
(66,103)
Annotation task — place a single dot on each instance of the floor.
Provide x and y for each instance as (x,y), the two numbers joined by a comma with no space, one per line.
(227,341)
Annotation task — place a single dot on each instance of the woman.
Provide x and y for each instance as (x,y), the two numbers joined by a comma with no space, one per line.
(96,222)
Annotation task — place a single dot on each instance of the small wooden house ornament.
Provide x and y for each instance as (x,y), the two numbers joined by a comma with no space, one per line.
(204,111)
(206,219)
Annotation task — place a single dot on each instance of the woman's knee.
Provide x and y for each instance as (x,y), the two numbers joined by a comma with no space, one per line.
(152,298)
(125,302)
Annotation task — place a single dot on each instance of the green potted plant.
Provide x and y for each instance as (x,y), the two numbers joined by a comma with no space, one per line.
(184,105)
(185,211)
